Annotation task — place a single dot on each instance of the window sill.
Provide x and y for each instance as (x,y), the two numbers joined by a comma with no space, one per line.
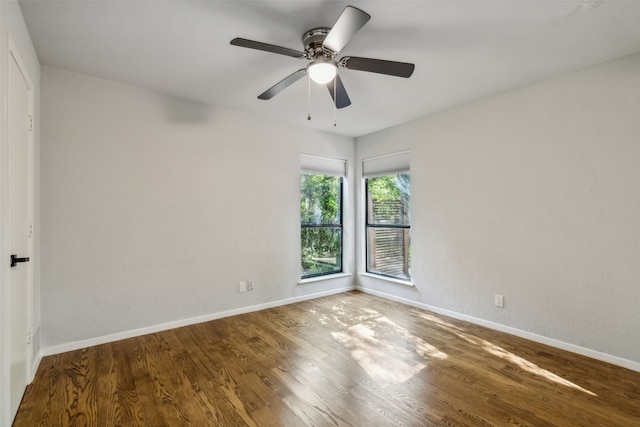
(321,278)
(387,279)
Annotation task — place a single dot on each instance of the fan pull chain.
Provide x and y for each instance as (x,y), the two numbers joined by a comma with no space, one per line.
(308,97)
(335,100)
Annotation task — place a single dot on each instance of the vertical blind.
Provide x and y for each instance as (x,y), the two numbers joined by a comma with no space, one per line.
(322,165)
(389,164)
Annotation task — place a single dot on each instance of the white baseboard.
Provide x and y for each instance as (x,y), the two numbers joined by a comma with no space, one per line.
(604,357)
(35,363)
(77,345)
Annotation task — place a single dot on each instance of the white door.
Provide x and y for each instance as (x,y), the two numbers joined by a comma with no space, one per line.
(20,231)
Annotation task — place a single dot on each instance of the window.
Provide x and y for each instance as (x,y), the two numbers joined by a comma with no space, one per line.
(321,184)
(388,216)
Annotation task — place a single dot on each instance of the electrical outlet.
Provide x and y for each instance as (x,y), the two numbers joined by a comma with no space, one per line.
(499,300)
(242,286)
(250,285)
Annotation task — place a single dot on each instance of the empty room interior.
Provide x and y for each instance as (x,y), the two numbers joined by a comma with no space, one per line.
(310,213)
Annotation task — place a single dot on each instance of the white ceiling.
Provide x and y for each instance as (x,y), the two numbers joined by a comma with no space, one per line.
(463,50)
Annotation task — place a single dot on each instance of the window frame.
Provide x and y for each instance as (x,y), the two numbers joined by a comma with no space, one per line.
(386,164)
(368,226)
(339,225)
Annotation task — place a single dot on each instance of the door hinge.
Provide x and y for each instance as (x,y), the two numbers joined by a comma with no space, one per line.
(29,336)
(30,123)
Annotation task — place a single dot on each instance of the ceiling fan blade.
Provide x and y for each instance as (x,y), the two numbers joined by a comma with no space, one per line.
(267,47)
(340,93)
(349,23)
(283,84)
(391,68)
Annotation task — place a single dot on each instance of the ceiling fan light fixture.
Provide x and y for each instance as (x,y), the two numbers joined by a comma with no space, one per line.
(322,71)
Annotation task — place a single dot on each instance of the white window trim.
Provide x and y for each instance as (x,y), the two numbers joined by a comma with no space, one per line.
(387,279)
(386,164)
(325,277)
(314,164)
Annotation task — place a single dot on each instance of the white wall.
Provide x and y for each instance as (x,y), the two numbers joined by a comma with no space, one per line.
(154,208)
(534,194)
(13,31)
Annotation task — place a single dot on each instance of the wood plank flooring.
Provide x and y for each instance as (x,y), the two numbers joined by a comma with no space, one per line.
(345,360)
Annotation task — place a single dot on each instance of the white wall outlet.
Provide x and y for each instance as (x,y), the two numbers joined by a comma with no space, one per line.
(249,285)
(499,300)
(242,286)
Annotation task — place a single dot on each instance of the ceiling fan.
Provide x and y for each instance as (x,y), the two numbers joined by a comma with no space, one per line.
(321,45)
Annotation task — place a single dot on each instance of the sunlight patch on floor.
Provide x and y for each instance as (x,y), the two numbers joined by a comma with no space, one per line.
(500,352)
(530,366)
(325,320)
(370,345)
(423,348)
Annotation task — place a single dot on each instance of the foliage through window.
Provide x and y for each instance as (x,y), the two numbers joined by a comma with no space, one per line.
(320,224)
(388,224)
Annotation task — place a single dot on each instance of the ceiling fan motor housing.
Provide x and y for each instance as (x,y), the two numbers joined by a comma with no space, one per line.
(312,41)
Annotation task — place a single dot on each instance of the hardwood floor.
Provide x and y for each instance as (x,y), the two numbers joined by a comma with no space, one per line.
(345,360)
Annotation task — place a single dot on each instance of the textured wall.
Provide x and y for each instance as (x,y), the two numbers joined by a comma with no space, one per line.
(533,194)
(154,208)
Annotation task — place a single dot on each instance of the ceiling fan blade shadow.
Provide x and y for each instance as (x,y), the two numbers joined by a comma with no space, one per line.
(251,44)
(341,99)
(283,84)
(380,66)
(349,23)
